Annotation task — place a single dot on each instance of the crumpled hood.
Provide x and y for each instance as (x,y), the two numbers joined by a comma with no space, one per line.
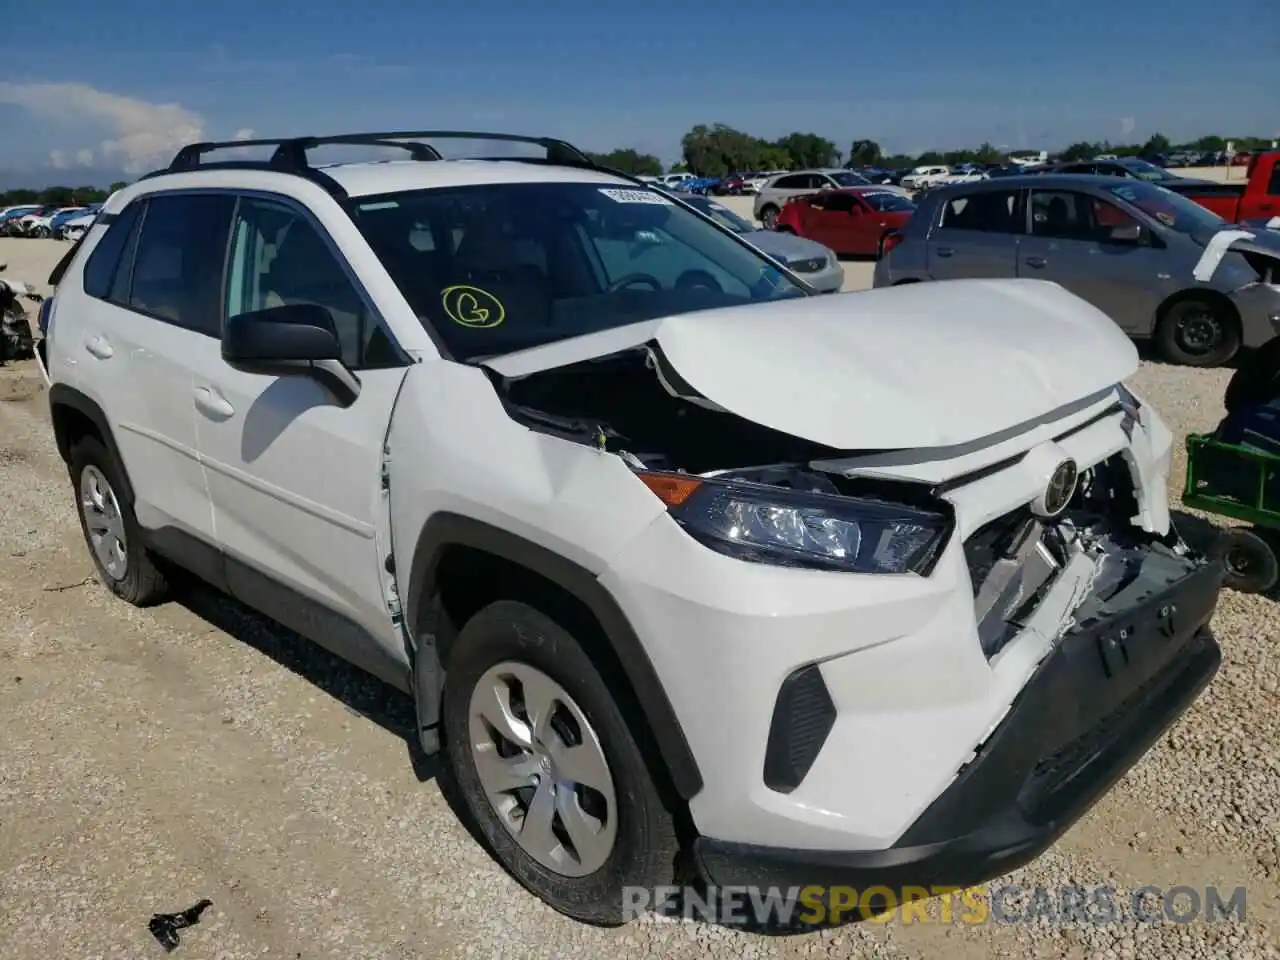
(921,365)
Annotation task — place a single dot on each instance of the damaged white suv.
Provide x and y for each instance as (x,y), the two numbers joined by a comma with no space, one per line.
(683,564)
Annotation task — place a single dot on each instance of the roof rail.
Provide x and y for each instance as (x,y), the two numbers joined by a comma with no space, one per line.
(290,154)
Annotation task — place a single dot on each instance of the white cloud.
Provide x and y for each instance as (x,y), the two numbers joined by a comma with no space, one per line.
(84,158)
(140,134)
(244,133)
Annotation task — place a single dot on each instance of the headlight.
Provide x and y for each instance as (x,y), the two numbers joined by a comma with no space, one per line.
(799,528)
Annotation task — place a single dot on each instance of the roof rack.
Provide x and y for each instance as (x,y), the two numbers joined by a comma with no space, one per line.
(290,154)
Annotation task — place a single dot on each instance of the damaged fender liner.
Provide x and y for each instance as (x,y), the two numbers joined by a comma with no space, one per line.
(1092,709)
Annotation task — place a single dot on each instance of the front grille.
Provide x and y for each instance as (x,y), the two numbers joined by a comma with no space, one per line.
(812,265)
(989,542)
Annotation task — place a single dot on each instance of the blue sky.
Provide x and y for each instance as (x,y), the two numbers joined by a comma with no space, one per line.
(134,78)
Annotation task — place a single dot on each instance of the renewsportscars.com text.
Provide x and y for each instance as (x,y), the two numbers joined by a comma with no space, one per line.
(1006,903)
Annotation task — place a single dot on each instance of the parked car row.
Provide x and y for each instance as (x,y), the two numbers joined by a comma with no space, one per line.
(42,221)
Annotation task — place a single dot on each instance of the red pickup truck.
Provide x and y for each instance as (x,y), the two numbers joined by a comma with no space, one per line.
(1258,198)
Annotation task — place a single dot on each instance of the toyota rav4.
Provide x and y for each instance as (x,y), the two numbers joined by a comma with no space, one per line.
(682,564)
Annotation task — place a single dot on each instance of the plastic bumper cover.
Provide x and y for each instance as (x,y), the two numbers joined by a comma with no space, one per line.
(1093,708)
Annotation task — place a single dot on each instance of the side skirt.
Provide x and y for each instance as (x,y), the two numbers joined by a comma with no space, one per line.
(314,620)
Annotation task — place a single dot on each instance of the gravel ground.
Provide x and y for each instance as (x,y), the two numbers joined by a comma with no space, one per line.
(154,758)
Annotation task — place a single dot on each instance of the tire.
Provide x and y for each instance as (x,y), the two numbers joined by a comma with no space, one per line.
(1198,333)
(768,215)
(1249,559)
(511,639)
(40,233)
(131,574)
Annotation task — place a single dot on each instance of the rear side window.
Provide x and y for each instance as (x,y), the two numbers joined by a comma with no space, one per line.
(1274,186)
(991,211)
(181,251)
(795,182)
(106,259)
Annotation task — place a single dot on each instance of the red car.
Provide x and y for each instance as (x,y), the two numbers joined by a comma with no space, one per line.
(849,221)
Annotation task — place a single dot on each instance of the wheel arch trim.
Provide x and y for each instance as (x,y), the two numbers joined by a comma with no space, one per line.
(444,530)
(69,398)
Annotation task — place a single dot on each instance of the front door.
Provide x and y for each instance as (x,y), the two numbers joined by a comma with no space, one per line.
(1071,243)
(294,477)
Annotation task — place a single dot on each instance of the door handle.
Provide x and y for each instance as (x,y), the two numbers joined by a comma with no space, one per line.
(1037,262)
(944,251)
(213,403)
(99,347)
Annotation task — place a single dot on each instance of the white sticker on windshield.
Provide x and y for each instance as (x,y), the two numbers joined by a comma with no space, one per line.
(636,196)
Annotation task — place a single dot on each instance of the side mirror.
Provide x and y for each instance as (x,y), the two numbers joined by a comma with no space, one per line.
(1129,233)
(291,340)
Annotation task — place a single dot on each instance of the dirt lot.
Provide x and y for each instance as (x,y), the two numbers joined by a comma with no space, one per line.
(154,758)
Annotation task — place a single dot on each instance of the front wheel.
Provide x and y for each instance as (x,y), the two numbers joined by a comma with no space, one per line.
(1249,560)
(547,768)
(1198,333)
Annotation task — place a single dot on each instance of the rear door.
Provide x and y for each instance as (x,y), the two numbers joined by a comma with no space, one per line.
(1070,242)
(152,300)
(830,220)
(977,235)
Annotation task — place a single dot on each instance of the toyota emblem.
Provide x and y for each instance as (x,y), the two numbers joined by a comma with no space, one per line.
(1059,490)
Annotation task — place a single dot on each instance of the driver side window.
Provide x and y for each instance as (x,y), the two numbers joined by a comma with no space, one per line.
(278,257)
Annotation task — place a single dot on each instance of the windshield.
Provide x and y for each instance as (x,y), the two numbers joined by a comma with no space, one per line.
(847,178)
(1147,171)
(1171,209)
(503,267)
(721,214)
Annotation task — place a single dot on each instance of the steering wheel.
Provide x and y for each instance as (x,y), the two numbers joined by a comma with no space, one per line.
(698,278)
(633,278)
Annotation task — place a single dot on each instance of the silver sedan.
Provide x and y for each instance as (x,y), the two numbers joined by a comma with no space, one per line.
(1160,265)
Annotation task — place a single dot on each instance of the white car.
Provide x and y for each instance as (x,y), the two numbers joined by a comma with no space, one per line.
(36,225)
(963,176)
(674,555)
(670,180)
(75,228)
(921,178)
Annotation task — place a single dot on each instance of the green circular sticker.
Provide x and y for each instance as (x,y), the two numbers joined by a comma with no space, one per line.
(473,307)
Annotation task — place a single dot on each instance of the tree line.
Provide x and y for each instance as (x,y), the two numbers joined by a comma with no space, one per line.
(59,196)
(717,150)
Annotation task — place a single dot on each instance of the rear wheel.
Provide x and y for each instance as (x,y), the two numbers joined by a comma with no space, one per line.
(111,530)
(1249,559)
(769,216)
(547,767)
(1198,333)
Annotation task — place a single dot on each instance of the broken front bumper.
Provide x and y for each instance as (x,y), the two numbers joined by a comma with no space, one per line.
(1093,707)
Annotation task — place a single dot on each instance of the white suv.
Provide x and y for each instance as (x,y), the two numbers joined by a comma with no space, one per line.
(675,556)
